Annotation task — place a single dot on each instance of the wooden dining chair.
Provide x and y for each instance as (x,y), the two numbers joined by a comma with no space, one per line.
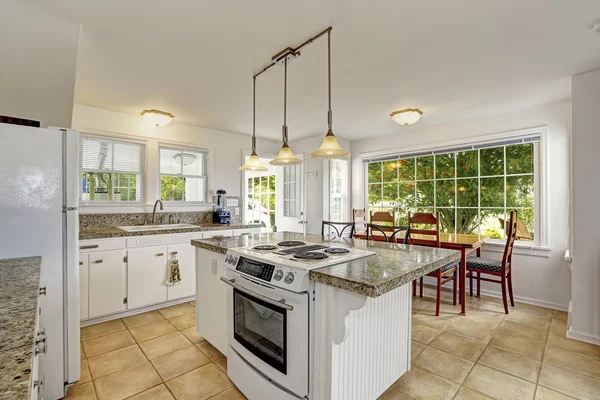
(340,225)
(501,269)
(359,216)
(391,234)
(382,217)
(417,235)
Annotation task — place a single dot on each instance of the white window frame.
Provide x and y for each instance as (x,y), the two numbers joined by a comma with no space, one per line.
(104,203)
(176,147)
(540,177)
(345,196)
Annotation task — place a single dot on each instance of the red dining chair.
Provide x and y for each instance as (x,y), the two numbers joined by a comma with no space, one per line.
(431,237)
(501,269)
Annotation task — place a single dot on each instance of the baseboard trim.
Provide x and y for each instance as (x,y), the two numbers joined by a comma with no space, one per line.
(583,337)
(492,293)
(136,311)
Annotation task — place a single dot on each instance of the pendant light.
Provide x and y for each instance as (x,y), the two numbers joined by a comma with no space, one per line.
(285,156)
(330,147)
(253,163)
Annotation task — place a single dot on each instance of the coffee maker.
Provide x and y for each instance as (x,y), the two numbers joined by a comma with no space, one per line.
(221,215)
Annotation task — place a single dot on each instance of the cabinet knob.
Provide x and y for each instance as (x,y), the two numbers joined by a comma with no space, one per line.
(97,261)
(40,348)
(42,291)
(38,384)
(159,254)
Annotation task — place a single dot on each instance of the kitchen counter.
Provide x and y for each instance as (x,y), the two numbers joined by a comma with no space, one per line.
(114,232)
(19,291)
(392,266)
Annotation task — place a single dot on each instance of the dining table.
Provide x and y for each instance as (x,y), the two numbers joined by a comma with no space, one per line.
(465,243)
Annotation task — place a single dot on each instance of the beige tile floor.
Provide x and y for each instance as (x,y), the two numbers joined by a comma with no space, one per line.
(152,356)
(484,355)
(490,355)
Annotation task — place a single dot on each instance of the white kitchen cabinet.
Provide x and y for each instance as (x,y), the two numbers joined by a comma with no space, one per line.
(107,277)
(146,276)
(187,268)
(84,282)
(211,298)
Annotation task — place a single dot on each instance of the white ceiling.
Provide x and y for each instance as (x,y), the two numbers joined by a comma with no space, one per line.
(455,60)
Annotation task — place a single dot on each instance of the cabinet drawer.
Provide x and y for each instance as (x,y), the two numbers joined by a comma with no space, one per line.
(180,238)
(146,241)
(88,246)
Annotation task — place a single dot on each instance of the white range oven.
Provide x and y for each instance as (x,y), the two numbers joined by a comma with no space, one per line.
(268,308)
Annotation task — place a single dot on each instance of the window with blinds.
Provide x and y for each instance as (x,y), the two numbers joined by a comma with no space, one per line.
(473,186)
(111,170)
(183,174)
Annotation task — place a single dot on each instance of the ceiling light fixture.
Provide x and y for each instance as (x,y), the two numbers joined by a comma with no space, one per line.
(330,147)
(406,117)
(596,27)
(157,118)
(253,163)
(187,158)
(286,155)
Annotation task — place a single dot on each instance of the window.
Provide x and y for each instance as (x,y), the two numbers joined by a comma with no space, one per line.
(261,200)
(182,174)
(338,195)
(291,191)
(111,170)
(473,188)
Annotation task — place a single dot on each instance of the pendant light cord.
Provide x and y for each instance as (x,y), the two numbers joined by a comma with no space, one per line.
(329,113)
(254,114)
(285,96)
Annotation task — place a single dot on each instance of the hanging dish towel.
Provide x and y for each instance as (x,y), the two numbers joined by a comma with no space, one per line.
(173,276)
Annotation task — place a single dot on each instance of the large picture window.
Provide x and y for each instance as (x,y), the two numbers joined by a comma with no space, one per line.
(111,171)
(182,175)
(473,188)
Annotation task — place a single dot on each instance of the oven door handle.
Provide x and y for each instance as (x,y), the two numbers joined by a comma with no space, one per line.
(278,303)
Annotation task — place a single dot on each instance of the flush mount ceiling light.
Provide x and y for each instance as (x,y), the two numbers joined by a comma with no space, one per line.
(596,27)
(157,118)
(406,117)
(253,163)
(330,147)
(186,157)
(286,155)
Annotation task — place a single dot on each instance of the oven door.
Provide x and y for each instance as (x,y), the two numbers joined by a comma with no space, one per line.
(268,327)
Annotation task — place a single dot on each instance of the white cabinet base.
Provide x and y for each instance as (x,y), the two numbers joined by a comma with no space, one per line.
(362,344)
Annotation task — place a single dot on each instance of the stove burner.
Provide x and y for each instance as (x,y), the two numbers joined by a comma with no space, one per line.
(291,243)
(337,250)
(264,247)
(311,256)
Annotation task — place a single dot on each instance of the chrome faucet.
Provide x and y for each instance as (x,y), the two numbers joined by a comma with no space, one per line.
(154,210)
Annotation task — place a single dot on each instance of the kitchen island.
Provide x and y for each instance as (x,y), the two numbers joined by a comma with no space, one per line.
(359,323)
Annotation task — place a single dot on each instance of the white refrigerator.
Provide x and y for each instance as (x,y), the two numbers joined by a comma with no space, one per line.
(38,217)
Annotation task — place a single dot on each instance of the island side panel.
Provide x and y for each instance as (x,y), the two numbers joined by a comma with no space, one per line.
(211,298)
(361,344)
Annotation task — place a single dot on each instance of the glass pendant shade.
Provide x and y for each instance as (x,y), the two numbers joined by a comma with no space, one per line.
(406,117)
(330,148)
(286,157)
(253,164)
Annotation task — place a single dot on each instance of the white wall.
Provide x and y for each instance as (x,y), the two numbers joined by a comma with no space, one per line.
(540,277)
(225,151)
(585,316)
(316,183)
(38,60)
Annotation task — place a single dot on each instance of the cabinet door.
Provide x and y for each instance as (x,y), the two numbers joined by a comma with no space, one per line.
(186,256)
(106,283)
(146,276)
(211,298)
(84,281)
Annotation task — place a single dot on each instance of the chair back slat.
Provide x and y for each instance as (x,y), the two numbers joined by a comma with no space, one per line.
(511,235)
(342,228)
(382,216)
(424,219)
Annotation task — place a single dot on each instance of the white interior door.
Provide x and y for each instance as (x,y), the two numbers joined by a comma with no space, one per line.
(290,195)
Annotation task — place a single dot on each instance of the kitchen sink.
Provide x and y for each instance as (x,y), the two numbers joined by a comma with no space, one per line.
(164,227)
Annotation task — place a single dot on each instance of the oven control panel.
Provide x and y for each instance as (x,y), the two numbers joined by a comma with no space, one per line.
(254,268)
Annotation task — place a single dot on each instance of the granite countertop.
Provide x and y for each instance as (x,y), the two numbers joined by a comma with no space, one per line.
(392,266)
(114,232)
(19,291)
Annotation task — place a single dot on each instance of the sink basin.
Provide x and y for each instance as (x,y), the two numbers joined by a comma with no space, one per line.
(144,228)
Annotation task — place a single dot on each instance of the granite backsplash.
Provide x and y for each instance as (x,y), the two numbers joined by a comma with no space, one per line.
(162,217)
